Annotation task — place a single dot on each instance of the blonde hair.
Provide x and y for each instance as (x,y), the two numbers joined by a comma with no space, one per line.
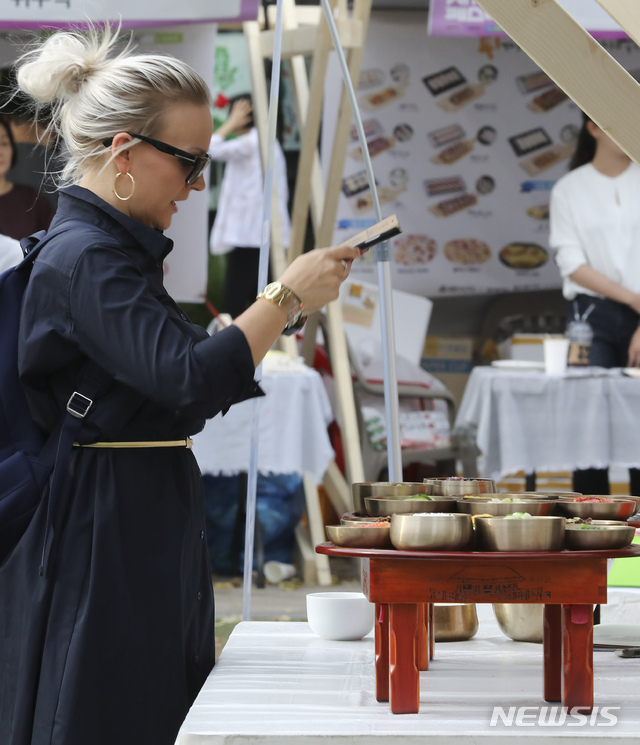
(95,87)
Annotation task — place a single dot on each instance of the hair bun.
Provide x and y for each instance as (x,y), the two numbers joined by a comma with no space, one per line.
(59,67)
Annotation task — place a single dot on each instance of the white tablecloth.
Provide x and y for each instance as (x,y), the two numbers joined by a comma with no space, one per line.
(276,683)
(293,421)
(530,421)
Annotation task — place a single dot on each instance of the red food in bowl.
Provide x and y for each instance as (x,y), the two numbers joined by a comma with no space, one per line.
(592,499)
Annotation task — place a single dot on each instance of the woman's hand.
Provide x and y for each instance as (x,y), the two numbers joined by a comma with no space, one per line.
(240,114)
(634,350)
(316,276)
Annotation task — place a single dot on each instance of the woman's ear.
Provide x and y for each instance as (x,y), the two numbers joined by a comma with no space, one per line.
(119,149)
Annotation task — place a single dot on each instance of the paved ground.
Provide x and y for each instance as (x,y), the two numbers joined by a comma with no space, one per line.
(285,601)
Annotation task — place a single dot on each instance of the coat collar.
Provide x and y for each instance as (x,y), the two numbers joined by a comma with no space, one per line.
(79,203)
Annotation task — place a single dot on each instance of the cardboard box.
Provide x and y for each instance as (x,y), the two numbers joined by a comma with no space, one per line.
(450,359)
(526,347)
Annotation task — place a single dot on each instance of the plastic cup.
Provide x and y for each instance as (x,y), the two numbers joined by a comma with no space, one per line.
(556,353)
(277,571)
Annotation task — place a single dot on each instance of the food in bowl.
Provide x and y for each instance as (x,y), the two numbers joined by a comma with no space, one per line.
(597,508)
(518,516)
(424,497)
(604,500)
(598,536)
(360,535)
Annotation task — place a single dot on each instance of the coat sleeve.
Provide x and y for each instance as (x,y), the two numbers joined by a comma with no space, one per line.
(145,342)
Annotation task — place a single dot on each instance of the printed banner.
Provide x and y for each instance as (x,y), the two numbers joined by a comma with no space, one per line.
(467,18)
(467,138)
(38,13)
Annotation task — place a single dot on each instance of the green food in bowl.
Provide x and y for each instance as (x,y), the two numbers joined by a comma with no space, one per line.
(518,516)
(423,497)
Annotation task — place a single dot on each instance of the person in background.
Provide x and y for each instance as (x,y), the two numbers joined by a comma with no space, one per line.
(107,611)
(22,209)
(595,232)
(237,228)
(10,252)
(36,156)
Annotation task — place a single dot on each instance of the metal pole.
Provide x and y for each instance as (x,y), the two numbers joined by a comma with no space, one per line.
(252,479)
(394,455)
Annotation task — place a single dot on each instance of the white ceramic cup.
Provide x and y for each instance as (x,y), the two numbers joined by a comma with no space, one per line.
(277,571)
(340,616)
(556,352)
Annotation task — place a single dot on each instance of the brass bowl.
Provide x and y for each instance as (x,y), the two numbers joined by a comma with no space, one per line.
(555,493)
(618,509)
(381,506)
(357,536)
(608,535)
(484,505)
(454,486)
(353,518)
(522,622)
(431,532)
(361,490)
(454,622)
(544,533)
(628,496)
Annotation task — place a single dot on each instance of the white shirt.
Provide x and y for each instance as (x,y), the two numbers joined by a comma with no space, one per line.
(595,220)
(10,252)
(238,219)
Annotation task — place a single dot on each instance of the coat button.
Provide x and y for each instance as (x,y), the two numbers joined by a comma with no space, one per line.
(202,535)
(199,596)
(196,659)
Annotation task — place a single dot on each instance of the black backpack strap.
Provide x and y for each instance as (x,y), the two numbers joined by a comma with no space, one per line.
(91,382)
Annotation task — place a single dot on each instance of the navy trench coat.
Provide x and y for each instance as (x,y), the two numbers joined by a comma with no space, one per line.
(113,645)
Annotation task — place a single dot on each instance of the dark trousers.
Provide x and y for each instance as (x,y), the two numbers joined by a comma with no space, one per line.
(241,280)
(613,326)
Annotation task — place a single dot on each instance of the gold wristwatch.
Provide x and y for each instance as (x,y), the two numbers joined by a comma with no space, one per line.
(282,296)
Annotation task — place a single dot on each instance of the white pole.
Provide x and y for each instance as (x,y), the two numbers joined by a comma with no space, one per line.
(252,479)
(394,455)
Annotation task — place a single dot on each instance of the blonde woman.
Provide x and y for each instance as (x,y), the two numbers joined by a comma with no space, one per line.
(113,642)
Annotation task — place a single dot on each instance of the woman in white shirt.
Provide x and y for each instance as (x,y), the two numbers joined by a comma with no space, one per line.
(237,228)
(595,231)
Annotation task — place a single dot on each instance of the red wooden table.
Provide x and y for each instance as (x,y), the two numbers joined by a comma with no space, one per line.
(404,584)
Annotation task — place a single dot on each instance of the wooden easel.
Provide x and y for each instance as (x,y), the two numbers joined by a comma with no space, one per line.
(577,63)
(306,34)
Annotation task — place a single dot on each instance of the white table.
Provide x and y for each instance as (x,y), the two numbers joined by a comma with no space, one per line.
(277,683)
(530,421)
(292,438)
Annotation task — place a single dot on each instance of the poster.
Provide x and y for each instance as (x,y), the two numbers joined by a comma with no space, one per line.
(467,18)
(61,13)
(467,137)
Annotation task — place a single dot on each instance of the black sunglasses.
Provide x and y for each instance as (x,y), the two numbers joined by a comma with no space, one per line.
(199,162)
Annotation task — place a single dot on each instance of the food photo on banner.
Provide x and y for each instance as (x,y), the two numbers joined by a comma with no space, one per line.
(467,137)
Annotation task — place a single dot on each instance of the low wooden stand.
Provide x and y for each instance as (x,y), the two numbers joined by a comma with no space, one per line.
(404,584)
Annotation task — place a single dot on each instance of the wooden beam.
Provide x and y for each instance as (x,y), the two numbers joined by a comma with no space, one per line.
(577,63)
(277,256)
(311,190)
(626,13)
(302,40)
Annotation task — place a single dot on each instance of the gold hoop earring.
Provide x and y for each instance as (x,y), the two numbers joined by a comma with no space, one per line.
(133,186)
